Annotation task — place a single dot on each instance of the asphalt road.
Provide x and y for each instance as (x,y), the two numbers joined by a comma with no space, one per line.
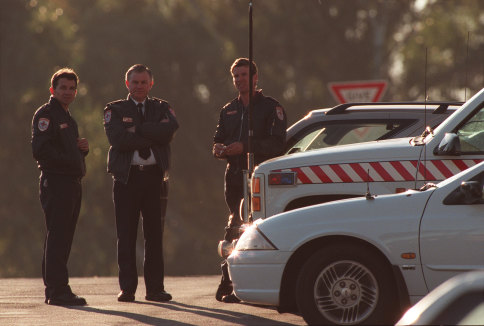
(22,303)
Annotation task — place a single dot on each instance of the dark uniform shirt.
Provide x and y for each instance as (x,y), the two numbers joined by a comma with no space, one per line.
(156,132)
(269,126)
(54,141)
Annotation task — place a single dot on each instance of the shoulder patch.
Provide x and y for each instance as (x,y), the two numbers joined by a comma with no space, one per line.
(43,124)
(107,116)
(172,112)
(280,112)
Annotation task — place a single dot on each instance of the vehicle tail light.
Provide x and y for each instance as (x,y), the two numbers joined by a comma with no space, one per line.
(256,185)
(256,204)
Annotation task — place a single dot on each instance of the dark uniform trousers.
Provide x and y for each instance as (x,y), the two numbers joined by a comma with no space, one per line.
(60,197)
(145,193)
(234,193)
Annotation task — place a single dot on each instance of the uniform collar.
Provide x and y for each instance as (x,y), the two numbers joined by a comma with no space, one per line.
(136,102)
(256,97)
(56,104)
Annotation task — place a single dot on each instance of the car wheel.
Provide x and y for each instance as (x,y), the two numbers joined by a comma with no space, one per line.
(346,285)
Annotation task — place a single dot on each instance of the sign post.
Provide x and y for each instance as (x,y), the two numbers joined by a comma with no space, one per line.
(358,91)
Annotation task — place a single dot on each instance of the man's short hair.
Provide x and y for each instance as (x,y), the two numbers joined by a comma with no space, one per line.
(241,62)
(67,73)
(138,68)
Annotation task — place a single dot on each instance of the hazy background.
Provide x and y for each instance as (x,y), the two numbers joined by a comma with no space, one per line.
(300,46)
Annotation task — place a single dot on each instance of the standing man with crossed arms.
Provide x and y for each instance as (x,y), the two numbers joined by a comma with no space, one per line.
(139,130)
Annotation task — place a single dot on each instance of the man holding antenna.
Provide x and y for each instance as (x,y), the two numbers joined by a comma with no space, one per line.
(231,143)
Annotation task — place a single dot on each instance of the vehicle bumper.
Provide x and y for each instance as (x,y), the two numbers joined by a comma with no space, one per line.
(256,275)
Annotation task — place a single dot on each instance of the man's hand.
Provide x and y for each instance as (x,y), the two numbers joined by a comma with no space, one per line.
(236,148)
(82,144)
(218,150)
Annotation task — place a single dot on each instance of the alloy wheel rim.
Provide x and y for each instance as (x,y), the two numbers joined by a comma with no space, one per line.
(346,292)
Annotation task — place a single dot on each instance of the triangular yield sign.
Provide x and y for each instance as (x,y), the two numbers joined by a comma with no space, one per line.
(358,91)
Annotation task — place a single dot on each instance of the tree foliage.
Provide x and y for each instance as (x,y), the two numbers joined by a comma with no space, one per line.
(299,46)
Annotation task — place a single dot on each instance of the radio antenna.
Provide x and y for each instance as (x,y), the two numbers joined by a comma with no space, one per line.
(250,152)
(424,134)
(425,114)
(467,65)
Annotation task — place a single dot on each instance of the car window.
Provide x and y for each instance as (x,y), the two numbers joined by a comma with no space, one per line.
(322,135)
(458,197)
(471,134)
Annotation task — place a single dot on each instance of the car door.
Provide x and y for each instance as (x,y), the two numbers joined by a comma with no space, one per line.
(452,231)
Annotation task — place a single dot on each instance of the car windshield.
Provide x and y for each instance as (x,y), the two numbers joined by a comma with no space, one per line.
(328,135)
(471,134)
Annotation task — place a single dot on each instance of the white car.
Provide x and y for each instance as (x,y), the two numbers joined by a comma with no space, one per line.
(363,260)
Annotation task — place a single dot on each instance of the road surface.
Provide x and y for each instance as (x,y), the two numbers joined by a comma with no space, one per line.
(22,303)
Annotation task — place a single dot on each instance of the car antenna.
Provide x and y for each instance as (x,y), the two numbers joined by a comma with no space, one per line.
(467,65)
(425,115)
(424,134)
(250,152)
(368,196)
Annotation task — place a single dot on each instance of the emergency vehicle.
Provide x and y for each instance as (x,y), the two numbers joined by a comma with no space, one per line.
(363,261)
(377,167)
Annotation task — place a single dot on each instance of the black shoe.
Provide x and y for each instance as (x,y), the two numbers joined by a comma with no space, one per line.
(159,296)
(231,298)
(67,299)
(223,290)
(125,296)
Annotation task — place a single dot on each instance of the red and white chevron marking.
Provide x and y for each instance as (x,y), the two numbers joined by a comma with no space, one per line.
(432,170)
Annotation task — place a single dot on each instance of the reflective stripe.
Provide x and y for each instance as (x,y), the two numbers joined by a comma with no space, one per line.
(388,171)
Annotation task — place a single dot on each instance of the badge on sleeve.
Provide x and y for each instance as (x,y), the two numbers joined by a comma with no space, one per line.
(280,113)
(43,124)
(107,116)
(172,112)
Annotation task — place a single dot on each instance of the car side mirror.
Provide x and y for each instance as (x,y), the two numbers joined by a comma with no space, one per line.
(450,145)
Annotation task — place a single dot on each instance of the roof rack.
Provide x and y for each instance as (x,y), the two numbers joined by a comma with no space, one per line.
(441,109)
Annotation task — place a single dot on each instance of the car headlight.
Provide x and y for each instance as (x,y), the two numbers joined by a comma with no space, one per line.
(254,239)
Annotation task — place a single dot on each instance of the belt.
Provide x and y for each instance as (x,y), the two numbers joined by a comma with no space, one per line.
(151,167)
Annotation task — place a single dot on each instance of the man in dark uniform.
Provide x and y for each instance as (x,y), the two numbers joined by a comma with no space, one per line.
(60,156)
(139,130)
(230,143)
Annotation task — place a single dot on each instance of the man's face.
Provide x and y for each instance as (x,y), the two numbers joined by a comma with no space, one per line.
(139,84)
(65,91)
(240,76)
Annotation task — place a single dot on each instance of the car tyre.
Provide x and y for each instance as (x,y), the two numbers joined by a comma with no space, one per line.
(346,285)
